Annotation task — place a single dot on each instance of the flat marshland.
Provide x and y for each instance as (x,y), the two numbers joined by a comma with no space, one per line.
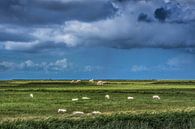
(174,110)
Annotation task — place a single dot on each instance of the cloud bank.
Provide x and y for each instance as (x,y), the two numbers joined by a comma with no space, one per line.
(178,63)
(29,65)
(60,65)
(122,24)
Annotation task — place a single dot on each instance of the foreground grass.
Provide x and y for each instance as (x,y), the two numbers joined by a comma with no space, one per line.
(181,120)
(175,109)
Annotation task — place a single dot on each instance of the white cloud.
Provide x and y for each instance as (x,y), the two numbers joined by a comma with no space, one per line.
(58,65)
(181,62)
(5,65)
(89,68)
(139,68)
(20,46)
(62,64)
(163,67)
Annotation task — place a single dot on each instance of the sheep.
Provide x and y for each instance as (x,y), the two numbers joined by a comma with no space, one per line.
(96,112)
(86,98)
(72,81)
(100,83)
(31,95)
(77,81)
(78,113)
(91,81)
(75,99)
(61,110)
(130,98)
(107,96)
(155,97)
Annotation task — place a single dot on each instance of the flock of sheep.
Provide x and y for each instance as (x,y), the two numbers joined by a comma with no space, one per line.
(100,83)
(87,98)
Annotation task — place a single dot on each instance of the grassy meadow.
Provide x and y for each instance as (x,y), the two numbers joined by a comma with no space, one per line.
(175,109)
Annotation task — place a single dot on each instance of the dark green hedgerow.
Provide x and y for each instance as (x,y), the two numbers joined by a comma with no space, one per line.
(177,120)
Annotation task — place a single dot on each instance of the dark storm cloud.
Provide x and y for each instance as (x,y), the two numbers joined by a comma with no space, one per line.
(144,17)
(53,11)
(22,17)
(161,14)
(122,24)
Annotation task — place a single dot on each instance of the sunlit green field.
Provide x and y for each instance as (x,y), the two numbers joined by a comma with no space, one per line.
(49,96)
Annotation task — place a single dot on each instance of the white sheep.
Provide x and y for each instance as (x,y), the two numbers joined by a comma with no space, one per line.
(78,113)
(130,98)
(72,81)
(100,83)
(85,98)
(61,110)
(155,97)
(107,96)
(31,95)
(75,99)
(91,81)
(77,81)
(96,112)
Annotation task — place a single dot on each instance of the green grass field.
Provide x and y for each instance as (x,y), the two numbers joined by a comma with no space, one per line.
(175,109)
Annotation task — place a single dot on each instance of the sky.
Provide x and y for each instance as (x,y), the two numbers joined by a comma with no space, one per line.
(99,39)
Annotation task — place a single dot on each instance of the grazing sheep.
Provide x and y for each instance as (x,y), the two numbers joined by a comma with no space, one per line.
(75,99)
(78,113)
(86,98)
(61,110)
(155,97)
(107,96)
(72,81)
(77,81)
(31,95)
(130,98)
(96,112)
(91,81)
(100,83)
